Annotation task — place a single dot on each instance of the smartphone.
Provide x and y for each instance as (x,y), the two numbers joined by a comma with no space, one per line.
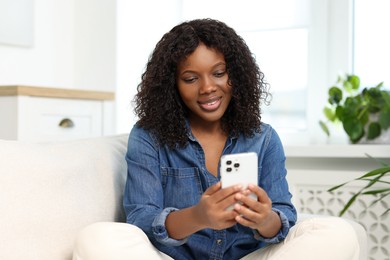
(239,168)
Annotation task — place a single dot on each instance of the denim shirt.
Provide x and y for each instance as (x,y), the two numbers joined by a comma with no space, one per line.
(161,180)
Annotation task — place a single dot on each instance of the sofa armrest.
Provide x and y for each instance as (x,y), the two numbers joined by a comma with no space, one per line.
(50,191)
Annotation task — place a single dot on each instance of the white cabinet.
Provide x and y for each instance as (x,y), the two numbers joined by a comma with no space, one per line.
(48,114)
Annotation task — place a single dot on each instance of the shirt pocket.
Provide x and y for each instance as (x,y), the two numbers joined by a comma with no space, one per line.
(182,187)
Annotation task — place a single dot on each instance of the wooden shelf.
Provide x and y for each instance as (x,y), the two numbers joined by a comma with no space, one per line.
(18,90)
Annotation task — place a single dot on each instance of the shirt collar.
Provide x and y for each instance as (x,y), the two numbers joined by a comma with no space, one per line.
(192,138)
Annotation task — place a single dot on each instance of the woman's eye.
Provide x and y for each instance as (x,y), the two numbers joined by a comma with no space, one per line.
(219,74)
(189,80)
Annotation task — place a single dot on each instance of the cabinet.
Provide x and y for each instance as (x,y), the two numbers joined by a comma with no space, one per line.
(47,114)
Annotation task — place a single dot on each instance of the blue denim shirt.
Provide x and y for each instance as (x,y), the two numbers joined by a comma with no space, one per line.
(161,180)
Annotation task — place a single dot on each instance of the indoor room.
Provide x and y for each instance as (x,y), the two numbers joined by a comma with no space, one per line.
(70,71)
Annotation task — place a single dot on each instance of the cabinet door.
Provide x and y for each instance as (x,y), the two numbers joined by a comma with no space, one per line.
(49,119)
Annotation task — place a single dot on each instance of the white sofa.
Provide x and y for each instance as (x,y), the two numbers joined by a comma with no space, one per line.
(50,191)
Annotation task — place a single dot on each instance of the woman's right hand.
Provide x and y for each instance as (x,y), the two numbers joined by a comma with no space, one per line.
(211,210)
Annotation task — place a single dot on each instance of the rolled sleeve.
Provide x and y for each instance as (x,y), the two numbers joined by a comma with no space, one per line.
(280,235)
(160,232)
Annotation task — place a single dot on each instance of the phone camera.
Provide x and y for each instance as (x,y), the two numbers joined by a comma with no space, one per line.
(236,165)
(228,169)
(228,162)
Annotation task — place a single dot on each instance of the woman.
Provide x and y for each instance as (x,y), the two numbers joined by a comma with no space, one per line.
(199,99)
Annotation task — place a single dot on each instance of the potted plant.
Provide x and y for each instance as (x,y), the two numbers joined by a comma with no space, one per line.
(364,113)
(373,178)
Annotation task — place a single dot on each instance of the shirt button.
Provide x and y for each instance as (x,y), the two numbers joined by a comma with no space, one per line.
(219,242)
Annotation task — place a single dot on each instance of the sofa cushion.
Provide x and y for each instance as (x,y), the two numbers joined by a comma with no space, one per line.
(50,191)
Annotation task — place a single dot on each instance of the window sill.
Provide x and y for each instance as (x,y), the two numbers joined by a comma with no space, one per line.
(337,151)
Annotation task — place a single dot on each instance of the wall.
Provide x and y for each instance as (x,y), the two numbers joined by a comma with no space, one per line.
(90,44)
(95,44)
(67,49)
(50,60)
(141,24)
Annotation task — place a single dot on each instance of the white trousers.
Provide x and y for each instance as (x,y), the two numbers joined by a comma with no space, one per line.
(316,238)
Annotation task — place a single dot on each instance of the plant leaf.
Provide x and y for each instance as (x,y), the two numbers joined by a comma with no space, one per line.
(379,161)
(375,172)
(349,203)
(340,113)
(354,128)
(374,100)
(336,187)
(379,199)
(386,97)
(373,177)
(335,95)
(380,171)
(379,85)
(374,130)
(384,118)
(324,128)
(329,113)
(374,192)
(355,81)
(382,196)
(352,107)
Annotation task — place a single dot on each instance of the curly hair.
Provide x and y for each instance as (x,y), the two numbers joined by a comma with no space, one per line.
(158,104)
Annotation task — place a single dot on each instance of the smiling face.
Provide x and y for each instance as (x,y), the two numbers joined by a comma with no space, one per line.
(202,82)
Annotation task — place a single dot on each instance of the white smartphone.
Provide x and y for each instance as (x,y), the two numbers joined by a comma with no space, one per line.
(239,168)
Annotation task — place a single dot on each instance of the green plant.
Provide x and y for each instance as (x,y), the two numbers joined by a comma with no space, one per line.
(363,113)
(373,177)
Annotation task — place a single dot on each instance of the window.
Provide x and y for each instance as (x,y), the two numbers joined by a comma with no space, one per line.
(372,41)
(300,45)
(282,55)
(282,41)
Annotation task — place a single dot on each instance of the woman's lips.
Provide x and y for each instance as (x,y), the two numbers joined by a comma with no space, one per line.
(211,105)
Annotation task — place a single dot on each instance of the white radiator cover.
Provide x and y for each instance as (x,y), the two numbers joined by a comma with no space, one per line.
(312,170)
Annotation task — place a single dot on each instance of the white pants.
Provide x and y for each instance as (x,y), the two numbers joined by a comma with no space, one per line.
(318,238)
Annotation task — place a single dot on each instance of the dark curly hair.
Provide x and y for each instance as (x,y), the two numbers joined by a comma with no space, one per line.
(158,103)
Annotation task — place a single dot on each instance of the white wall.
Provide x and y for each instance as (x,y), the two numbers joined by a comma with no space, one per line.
(73,47)
(50,60)
(95,44)
(105,44)
(90,44)
(141,24)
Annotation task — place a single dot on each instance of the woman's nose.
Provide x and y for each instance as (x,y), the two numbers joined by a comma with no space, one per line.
(208,86)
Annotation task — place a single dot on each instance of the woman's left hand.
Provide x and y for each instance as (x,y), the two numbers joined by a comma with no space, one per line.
(257,214)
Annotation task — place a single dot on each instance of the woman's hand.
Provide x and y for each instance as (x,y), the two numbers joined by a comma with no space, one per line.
(211,210)
(257,214)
